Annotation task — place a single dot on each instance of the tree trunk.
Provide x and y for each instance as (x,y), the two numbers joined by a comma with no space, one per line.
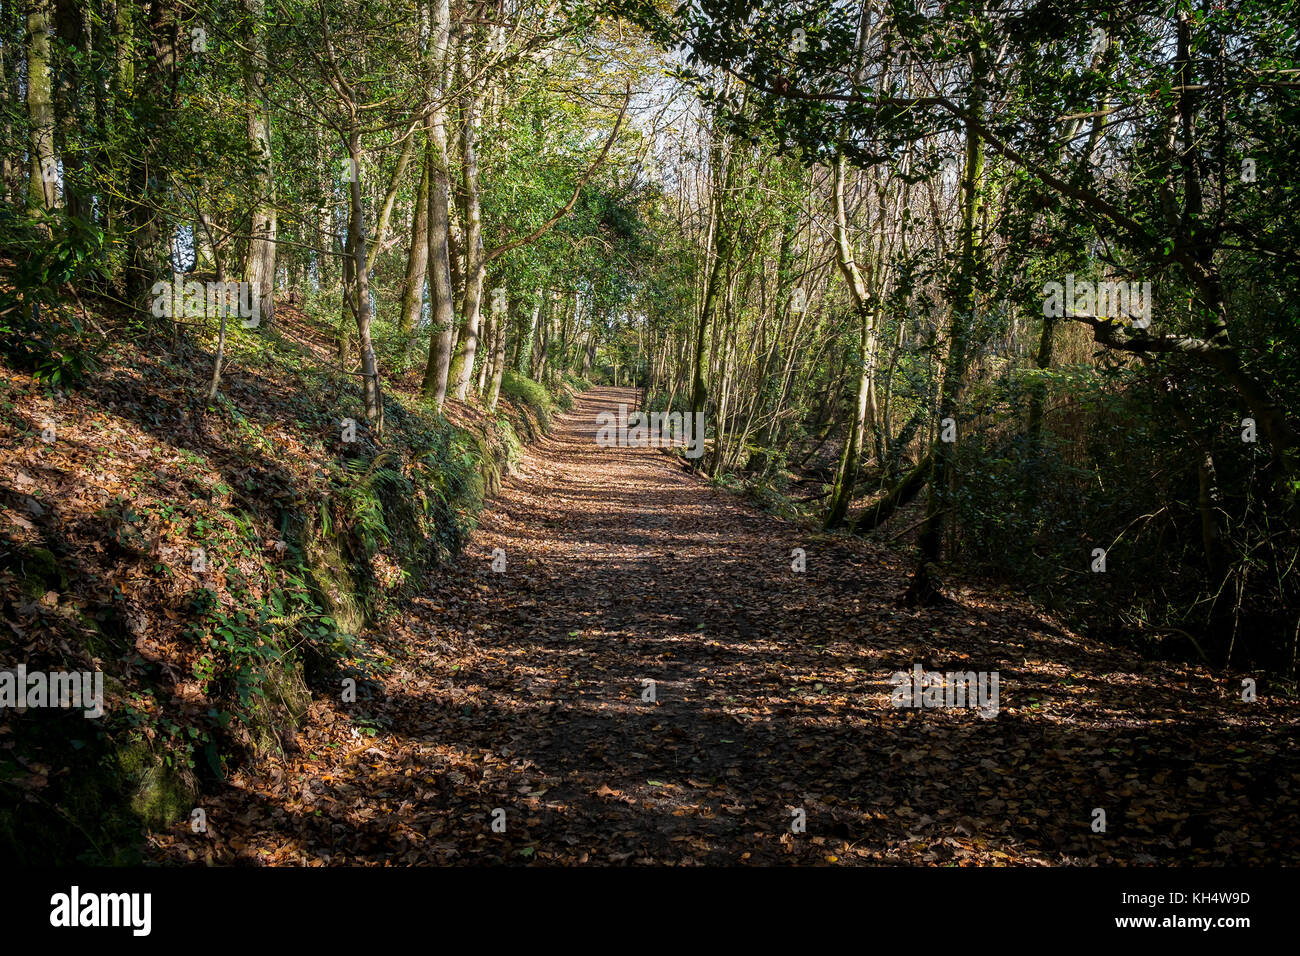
(899,496)
(264,227)
(498,360)
(148,178)
(864,404)
(42,176)
(442,311)
(418,257)
(524,363)
(73,107)
(699,387)
(390,197)
(370,390)
(922,590)
(462,367)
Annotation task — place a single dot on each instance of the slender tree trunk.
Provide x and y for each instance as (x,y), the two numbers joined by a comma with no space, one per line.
(462,367)
(114,100)
(922,590)
(543,348)
(492,323)
(699,387)
(264,226)
(7,164)
(864,394)
(442,311)
(148,179)
(42,177)
(418,258)
(73,106)
(1037,401)
(523,365)
(390,197)
(370,388)
(498,361)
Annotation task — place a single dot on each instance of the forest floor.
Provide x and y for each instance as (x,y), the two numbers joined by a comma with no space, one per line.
(523,691)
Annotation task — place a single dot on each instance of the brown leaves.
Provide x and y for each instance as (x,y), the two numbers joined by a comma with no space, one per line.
(522,691)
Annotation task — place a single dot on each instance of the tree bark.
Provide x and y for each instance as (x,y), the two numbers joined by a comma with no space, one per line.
(462,366)
(42,178)
(923,590)
(418,257)
(864,394)
(498,361)
(264,227)
(899,495)
(370,388)
(442,311)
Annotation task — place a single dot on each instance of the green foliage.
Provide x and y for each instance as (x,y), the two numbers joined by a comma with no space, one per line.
(532,395)
(41,331)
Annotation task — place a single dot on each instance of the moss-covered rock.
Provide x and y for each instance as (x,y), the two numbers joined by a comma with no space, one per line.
(334,583)
(157,794)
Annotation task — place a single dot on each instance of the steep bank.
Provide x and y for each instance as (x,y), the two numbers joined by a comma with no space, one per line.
(218,561)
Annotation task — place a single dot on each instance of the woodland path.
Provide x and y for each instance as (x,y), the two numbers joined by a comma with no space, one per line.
(523,691)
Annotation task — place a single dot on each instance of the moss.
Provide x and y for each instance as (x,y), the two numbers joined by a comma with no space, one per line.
(94,812)
(511,448)
(158,795)
(531,396)
(331,575)
(274,716)
(489,467)
(40,571)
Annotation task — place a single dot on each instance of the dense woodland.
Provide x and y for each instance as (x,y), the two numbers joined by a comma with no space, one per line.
(1008,289)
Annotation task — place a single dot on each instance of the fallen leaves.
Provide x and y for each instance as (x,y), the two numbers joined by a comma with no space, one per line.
(522,691)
